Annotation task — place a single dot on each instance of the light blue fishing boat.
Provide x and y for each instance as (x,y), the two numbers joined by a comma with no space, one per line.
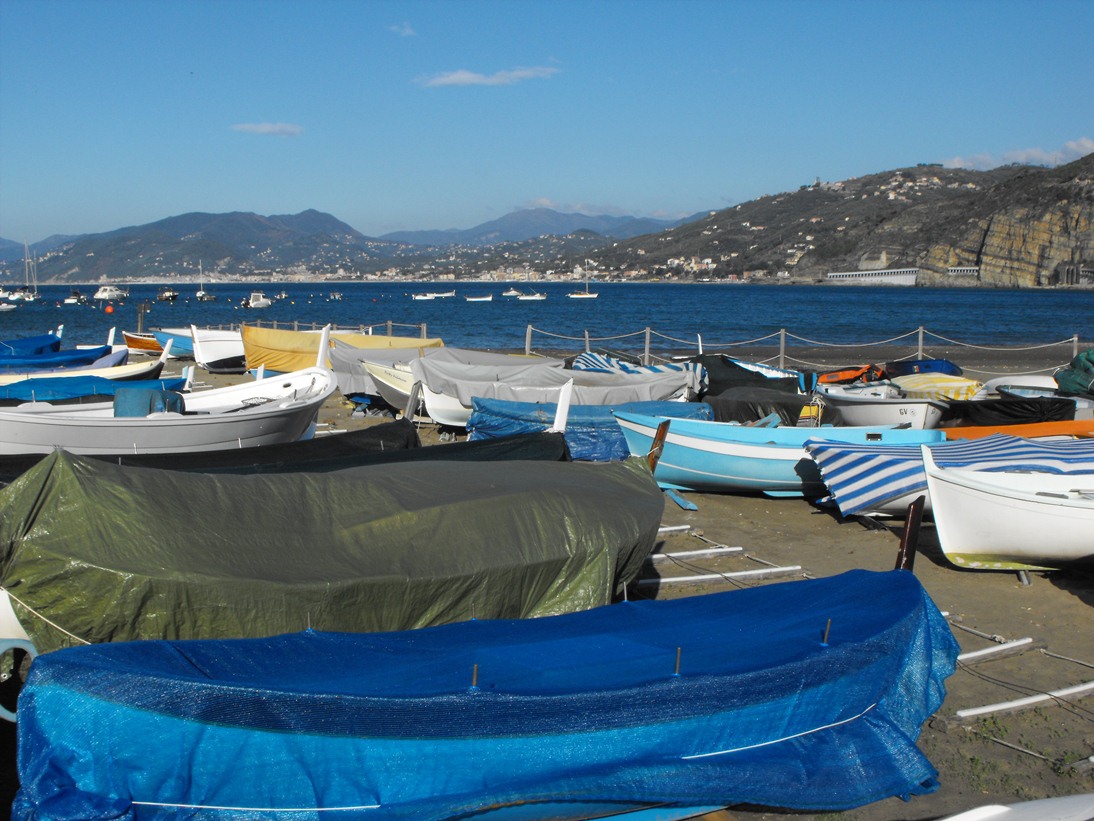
(720,457)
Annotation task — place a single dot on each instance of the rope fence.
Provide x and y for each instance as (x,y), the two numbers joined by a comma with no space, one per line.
(808,353)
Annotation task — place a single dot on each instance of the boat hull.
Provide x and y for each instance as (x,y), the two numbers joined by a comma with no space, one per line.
(579,714)
(1011,521)
(719,457)
(214,420)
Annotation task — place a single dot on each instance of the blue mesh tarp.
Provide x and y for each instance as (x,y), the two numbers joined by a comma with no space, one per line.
(30,345)
(63,388)
(592,434)
(704,701)
(56,359)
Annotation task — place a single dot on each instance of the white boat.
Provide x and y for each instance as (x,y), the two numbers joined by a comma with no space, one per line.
(257,299)
(218,351)
(110,293)
(534,296)
(393,380)
(880,404)
(1013,520)
(487,298)
(586,294)
(510,292)
(202,295)
(447,387)
(8,306)
(276,410)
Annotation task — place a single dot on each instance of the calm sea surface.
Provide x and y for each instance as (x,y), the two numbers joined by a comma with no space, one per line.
(721,314)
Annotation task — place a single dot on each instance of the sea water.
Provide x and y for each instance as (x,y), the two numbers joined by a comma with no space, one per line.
(678,315)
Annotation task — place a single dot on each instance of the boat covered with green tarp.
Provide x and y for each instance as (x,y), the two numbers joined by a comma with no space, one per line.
(95,552)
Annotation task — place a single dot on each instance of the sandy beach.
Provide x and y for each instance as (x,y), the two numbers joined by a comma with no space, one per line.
(1004,757)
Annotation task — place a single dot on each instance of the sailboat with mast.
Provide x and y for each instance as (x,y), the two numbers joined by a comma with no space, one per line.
(29,291)
(586,294)
(203,295)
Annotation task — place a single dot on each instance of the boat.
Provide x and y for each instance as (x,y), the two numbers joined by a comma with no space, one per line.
(532,296)
(71,357)
(222,557)
(257,299)
(110,293)
(387,373)
(381,444)
(8,306)
(334,296)
(625,711)
(75,298)
(586,294)
(32,345)
(182,343)
(201,294)
(879,403)
(591,431)
(218,350)
(267,411)
(1060,808)
(79,390)
(112,366)
(511,292)
(281,350)
(486,298)
(167,294)
(1011,520)
(448,387)
(142,343)
(865,479)
(722,457)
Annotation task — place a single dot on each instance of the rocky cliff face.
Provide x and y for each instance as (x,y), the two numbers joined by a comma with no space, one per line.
(1023,235)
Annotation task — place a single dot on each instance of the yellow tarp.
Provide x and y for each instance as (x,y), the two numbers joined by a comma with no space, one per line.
(284,351)
(937,386)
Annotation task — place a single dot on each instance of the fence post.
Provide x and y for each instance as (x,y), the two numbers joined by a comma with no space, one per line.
(389,333)
(423,331)
(646,354)
(1074,346)
(920,342)
(528,341)
(296,324)
(586,340)
(782,347)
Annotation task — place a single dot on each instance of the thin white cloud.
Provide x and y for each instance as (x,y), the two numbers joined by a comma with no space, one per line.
(270,129)
(462,77)
(1071,150)
(403,29)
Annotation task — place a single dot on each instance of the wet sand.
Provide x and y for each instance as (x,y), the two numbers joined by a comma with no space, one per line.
(1035,753)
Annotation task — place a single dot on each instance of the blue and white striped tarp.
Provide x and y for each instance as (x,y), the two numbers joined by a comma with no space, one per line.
(872,479)
(603,363)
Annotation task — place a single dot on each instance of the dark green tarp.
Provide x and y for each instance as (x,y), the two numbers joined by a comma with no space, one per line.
(109,553)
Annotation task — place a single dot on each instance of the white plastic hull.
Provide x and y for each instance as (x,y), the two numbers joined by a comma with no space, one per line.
(1011,521)
(272,411)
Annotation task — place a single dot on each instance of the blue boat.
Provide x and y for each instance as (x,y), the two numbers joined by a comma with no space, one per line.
(31,345)
(720,457)
(591,431)
(74,357)
(806,695)
(61,389)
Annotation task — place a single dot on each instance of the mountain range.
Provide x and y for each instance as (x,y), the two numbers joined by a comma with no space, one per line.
(1015,226)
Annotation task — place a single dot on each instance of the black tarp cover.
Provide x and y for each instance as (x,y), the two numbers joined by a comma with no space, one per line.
(723,374)
(750,404)
(1008,411)
(108,553)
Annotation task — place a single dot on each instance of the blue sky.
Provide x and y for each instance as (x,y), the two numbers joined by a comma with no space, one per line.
(416,115)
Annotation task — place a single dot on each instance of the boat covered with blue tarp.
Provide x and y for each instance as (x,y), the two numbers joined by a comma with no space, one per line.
(806,695)
(591,431)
